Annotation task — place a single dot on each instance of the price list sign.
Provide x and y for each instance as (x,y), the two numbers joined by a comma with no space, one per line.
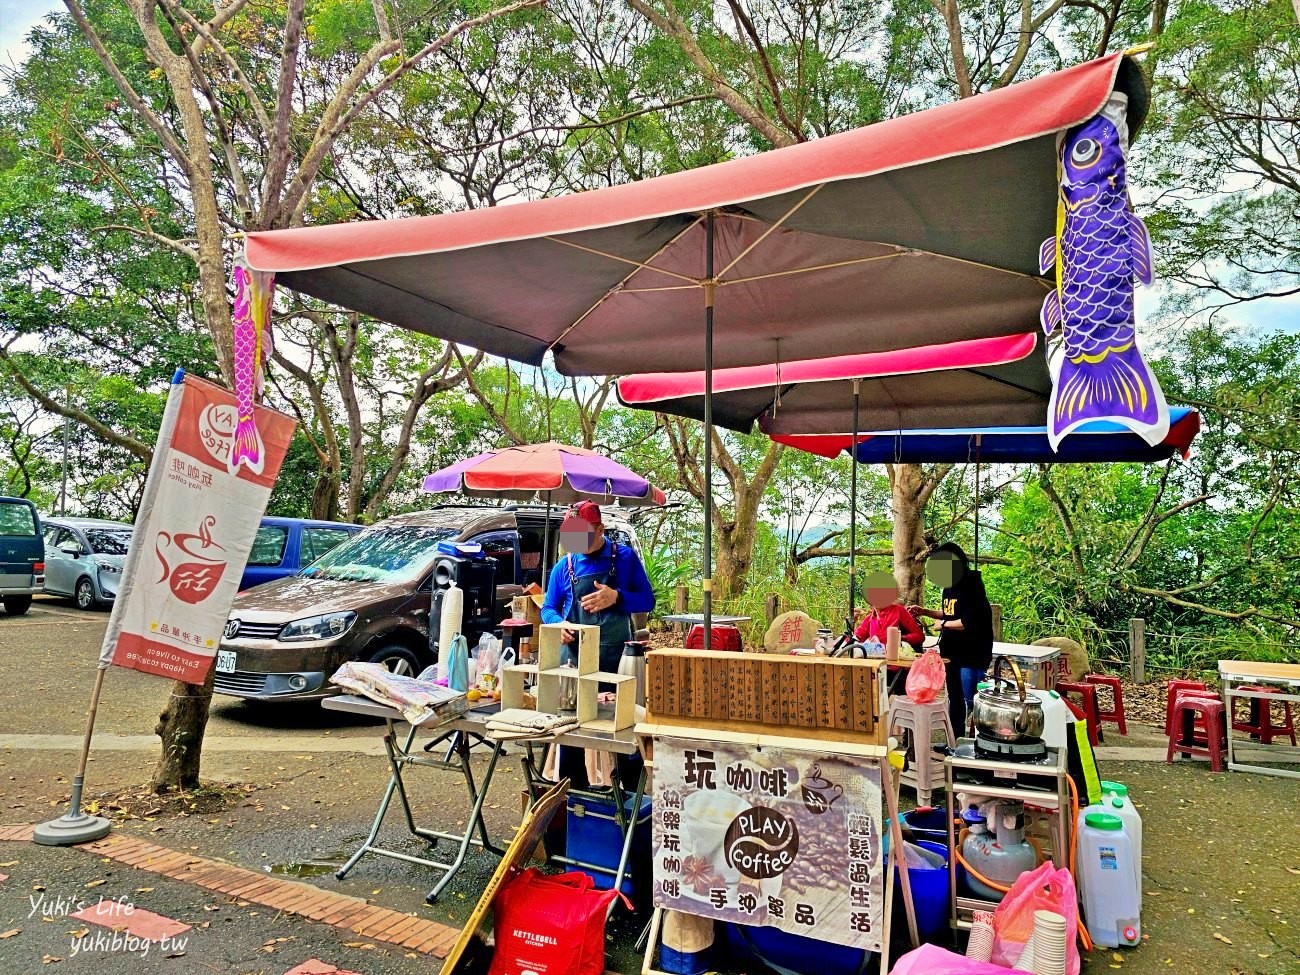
(778,837)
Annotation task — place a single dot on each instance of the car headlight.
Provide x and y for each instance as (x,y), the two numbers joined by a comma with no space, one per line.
(325,627)
(110,568)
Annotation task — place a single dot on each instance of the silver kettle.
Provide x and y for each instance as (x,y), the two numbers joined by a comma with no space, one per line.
(1005,711)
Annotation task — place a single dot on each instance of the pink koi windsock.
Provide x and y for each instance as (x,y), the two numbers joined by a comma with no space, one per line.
(252,319)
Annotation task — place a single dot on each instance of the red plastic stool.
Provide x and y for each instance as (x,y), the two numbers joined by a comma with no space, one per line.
(1263,726)
(1171,692)
(724,638)
(1088,698)
(1116,711)
(1188,706)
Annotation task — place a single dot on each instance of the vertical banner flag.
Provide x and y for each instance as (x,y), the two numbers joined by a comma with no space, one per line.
(197,522)
(775,837)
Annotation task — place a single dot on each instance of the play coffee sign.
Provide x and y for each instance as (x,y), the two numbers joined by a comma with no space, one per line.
(196,526)
(777,837)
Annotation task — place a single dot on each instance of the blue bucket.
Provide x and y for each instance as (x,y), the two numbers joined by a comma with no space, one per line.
(749,945)
(928,823)
(929,896)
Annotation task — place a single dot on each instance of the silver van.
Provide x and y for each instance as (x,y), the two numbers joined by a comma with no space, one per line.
(84,558)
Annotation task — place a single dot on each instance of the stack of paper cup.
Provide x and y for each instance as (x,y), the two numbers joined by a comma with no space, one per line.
(1048,944)
(980,945)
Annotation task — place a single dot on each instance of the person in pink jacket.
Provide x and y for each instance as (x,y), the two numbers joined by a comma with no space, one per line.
(884,610)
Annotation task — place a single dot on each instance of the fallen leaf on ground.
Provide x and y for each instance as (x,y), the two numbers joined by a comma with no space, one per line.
(79,932)
(96,883)
(9,863)
(9,934)
(1219,937)
(50,959)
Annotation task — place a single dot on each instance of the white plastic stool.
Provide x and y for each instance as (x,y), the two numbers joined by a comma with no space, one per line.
(925,770)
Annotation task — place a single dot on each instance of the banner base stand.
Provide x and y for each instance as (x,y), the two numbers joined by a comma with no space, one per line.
(74,826)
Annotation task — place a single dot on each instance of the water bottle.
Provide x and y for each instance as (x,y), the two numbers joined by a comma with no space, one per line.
(632,664)
(1111,897)
(1118,803)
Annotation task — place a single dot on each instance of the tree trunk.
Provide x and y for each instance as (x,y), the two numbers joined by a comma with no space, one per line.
(908,497)
(181,726)
(733,554)
(325,496)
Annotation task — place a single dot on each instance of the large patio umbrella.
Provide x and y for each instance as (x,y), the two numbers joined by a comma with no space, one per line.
(1100,441)
(1096,442)
(557,472)
(998,381)
(924,228)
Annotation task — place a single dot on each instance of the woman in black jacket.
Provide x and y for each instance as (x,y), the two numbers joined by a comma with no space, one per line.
(965,627)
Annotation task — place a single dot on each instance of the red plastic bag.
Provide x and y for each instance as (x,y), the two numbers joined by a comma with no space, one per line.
(926,678)
(1044,889)
(550,925)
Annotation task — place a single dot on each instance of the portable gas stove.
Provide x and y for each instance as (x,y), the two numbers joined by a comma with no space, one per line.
(1029,750)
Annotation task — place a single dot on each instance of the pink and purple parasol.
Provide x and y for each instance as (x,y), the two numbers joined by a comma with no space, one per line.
(556,472)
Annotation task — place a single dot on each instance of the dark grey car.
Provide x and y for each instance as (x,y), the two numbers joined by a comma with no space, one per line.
(368,599)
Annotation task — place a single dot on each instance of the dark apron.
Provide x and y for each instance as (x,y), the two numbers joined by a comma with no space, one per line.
(615,625)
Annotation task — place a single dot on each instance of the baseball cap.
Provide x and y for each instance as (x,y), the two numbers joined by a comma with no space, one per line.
(588,511)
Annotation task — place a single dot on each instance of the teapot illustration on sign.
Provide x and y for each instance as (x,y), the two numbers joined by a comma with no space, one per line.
(819,793)
(193,581)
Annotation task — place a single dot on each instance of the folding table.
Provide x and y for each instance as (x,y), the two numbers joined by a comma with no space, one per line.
(1236,672)
(399,757)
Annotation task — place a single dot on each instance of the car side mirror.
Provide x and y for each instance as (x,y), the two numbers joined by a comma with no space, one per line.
(74,550)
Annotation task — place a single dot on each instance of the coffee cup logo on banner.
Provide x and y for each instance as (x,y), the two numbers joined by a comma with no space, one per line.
(191,581)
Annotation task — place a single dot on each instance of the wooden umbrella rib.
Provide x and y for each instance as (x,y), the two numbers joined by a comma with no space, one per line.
(772,227)
(639,265)
(815,267)
(668,287)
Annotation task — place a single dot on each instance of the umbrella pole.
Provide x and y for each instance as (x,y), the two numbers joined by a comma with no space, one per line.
(546,544)
(853,503)
(708,431)
(978,437)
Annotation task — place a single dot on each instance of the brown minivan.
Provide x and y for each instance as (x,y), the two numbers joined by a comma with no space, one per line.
(368,599)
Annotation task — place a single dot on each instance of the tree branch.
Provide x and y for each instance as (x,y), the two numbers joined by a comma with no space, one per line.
(159,128)
(105,433)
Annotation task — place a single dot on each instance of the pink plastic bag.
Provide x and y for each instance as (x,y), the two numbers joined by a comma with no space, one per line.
(1044,889)
(933,960)
(926,678)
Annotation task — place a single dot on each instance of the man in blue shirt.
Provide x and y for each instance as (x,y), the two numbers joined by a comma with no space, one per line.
(599,582)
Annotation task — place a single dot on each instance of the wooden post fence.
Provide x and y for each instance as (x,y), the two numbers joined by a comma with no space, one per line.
(680,605)
(1137,650)
(772,607)
(997,621)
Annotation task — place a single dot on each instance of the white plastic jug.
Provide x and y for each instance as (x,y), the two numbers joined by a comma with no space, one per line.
(1111,902)
(1056,716)
(1117,802)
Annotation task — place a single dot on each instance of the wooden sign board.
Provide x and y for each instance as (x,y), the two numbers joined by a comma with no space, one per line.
(827,699)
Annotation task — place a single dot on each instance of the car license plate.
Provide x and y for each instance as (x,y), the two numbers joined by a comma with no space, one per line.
(225,661)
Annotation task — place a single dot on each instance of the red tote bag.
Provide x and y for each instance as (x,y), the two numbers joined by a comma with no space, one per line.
(550,925)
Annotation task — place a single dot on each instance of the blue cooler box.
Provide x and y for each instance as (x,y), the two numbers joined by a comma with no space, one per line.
(594,837)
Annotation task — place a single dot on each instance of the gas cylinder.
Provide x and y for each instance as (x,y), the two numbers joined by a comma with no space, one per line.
(1000,856)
